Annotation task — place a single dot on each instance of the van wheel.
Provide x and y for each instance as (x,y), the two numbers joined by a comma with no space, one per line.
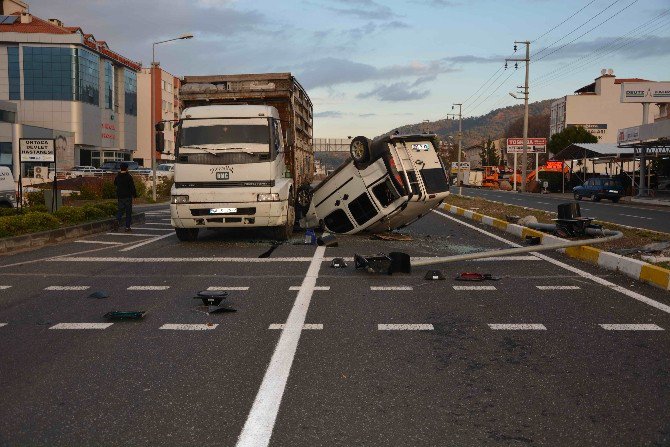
(360,150)
(303,199)
(285,231)
(187,234)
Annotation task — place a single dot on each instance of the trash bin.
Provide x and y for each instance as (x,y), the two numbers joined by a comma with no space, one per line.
(49,201)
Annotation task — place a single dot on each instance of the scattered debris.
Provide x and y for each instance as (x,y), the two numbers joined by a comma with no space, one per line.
(328,240)
(99,294)
(654,247)
(526,220)
(310,237)
(475,276)
(212,299)
(533,240)
(512,218)
(125,314)
(392,236)
(433,275)
(338,263)
(394,262)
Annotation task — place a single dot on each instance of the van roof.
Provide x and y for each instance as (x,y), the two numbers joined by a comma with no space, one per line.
(236,111)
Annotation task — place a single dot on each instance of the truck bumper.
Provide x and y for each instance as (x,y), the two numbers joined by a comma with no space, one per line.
(247,214)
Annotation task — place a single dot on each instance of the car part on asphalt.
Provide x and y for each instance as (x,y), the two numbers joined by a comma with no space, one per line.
(476,276)
(125,314)
(569,221)
(328,240)
(212,299)
(310,237)
(434,275)
(533,240)
(394,262)
(338,263)
(99,294)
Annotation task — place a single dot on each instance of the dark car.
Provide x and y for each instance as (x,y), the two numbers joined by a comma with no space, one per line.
(115,166)
(600,188)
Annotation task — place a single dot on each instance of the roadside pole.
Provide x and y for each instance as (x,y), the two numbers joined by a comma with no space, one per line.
(524,156)
(460,144)
(514,175)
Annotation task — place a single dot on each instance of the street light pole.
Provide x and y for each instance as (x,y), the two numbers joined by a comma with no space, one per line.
(460,144)
(524,156)
(153,116)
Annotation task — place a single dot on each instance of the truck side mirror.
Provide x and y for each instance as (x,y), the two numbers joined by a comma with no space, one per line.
(160,142)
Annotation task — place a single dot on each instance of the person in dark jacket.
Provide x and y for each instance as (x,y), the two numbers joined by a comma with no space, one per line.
(125,191)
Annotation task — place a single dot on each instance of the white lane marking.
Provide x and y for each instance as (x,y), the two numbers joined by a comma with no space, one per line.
(152,229)
(148,288)
(631,327)
(543,203)
(5,287)
(216,288)
(149,241)
(81,326)
(81,241)
(117,259)
(637,217)
(157,224)
(307,326)
(67,288)
(3,324)
(258,427)
(189,327)
(315,288)
(518,327)
(474,287)
(405,327)
(507,258)
(391,288)
(629,293)
(131,234)
(558,287)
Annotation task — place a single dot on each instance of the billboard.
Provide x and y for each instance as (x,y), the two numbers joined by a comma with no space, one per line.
(597,130)
(37,150)
(653,92)
(534,145)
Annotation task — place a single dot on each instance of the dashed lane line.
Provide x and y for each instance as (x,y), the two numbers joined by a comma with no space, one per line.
(631,327)
(405,327)
(258,427)
(81,326)
(82,241)
(131,234)
(157,224)
(152,229)
(380,288)
(3,324)
(315,288)
(223,289)
(629,293)
(5,287)
(474,287)
(148,288)
(558,287)
(637,217)
(60,288)
(189,327)
(307,326)
(518,327)
(147,242)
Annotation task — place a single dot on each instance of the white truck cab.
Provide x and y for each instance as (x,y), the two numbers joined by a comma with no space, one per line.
(230,171)
(7,188)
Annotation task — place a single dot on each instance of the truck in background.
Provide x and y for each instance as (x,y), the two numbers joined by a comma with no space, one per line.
(244,154)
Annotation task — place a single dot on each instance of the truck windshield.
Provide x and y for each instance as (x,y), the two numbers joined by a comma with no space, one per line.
(225,134)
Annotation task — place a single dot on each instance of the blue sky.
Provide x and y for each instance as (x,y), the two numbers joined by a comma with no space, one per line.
(372,65)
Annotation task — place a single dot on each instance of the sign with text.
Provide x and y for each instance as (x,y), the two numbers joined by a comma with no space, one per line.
(597,130)
(37,150)
(534,145)
(654,92)
(629,135)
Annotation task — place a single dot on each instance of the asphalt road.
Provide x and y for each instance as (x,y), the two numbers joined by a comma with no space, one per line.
(655,218)
(381,360)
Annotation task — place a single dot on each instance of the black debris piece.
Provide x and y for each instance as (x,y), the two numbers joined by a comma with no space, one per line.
(475,276)
(394,262)
(338,263)
(434,275)
(328,240)
(533,240)
(125,314)
(99,294)
(212,299)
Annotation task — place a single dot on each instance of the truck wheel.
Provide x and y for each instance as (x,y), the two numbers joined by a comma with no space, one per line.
(360,150)
(303,199)
(187,234)
(285,231)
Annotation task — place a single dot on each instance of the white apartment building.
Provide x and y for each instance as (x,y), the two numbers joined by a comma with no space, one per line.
(66,85)
(598,108)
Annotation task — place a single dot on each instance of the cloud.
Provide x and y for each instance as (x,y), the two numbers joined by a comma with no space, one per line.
(396,92)
(631,47)
(332,71)
(328,114)
(366,115)
(364,9)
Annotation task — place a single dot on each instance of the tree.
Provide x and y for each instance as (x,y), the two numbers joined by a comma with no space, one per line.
(568,136)
(538,127)
(489,154)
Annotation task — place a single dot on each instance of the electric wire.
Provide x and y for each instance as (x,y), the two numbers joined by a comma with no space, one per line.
(580,10)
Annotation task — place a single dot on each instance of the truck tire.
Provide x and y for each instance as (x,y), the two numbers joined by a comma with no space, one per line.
(360,150)
(187,234)
(283,232)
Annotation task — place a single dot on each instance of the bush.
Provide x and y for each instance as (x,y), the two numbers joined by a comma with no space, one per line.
(27,223)
(108,190)
(163,187)
(109,208)
(15,211)
(90,192)
(70,215)
(92,212)
(141,187)
(34,198)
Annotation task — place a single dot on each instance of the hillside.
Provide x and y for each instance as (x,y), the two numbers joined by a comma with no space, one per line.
(477,129)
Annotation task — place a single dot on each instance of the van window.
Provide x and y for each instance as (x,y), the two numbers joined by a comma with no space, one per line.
(338,222)
(362,209)
(435,180)
(385,193)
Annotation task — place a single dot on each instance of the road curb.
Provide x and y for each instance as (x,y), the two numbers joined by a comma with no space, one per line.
(36,240)
(633,268)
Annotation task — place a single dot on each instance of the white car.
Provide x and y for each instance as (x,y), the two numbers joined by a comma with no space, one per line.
(165,170)
(85,171)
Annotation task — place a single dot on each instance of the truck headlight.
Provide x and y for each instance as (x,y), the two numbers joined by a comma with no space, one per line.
(270,197)
(179,199)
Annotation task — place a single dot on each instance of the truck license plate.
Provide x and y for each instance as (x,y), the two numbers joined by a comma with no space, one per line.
(222,210)
(222,175)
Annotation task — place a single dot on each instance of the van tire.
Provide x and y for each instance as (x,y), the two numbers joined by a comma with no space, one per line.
(303,199)
(284,232)
(359,149)
(187,234)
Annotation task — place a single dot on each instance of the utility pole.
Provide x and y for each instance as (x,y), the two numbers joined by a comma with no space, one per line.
(524,156)
(460,144)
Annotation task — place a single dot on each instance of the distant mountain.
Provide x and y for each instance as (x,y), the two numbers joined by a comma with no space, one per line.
(479,128)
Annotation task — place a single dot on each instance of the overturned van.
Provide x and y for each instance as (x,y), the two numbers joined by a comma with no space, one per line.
(387,184)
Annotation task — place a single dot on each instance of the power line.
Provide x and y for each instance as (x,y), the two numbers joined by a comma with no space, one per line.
(495,90)
(583,8)
(486,82)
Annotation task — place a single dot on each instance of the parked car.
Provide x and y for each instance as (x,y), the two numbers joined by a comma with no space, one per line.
(141,170)
(165,170)
(600,188)
(7,188)
(115,166)
(85,171)
(387,184)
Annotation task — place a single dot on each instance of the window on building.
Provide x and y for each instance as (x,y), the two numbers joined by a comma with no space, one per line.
(14,73)
(130,82)
(7,116)
(109,85)
(88,79)
(6,154)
